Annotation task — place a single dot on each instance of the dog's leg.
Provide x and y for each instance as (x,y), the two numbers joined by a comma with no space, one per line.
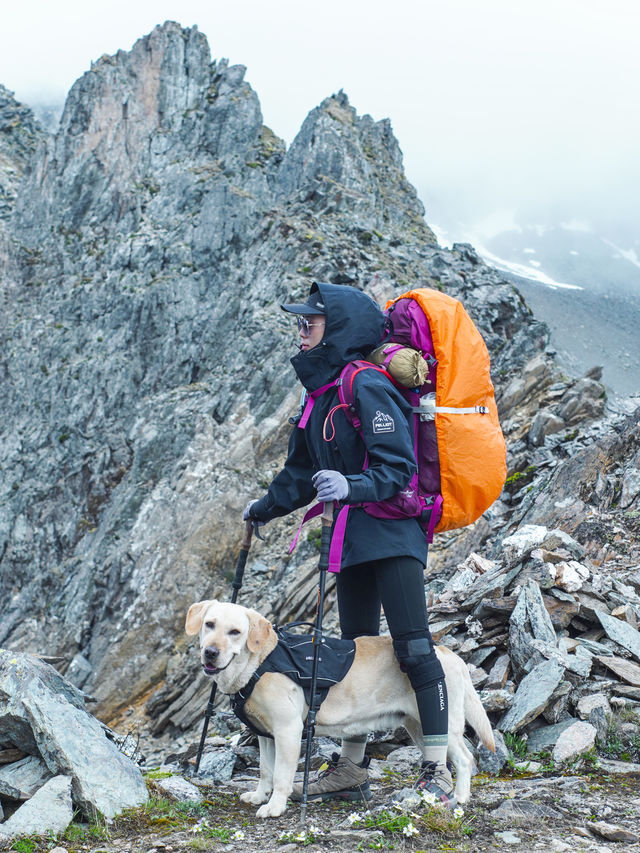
(287,753)
(462,760)
(265,785)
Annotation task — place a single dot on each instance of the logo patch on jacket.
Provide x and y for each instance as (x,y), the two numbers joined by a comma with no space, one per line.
(383,423)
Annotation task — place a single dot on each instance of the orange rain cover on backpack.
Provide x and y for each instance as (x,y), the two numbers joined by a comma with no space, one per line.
(471,447)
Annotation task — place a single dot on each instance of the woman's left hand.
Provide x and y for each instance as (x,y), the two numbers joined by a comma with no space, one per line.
(331,485)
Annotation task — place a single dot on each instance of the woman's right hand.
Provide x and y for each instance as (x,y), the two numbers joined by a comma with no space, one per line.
(246,515)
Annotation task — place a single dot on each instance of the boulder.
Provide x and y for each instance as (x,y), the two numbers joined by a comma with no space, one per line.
(50,810)
(574,741)
(217,765)
(544,423)
(21,779)
(532,696)
(493,762)
(43,709)
(523,811)
(529,620)
(621,633)
(614,832)
(588,703)
(524,539)
(177,788)
(571,575)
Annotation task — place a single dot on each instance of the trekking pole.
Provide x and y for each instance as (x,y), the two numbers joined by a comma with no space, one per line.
(310,726)
(237,584)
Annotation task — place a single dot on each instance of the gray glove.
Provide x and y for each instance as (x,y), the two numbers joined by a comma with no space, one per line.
(331,485)
(246,515)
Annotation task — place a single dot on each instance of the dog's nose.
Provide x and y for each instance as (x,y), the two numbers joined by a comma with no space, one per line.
(211,653)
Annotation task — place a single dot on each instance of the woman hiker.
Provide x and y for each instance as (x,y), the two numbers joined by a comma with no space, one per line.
(383,560)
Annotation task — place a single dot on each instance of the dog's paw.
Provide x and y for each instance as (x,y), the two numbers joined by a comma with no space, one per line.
(272,808)
(254,797)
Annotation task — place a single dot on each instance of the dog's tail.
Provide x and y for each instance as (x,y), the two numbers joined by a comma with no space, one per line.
(475,714)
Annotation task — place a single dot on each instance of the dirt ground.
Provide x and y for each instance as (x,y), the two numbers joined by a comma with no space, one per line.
(530,813)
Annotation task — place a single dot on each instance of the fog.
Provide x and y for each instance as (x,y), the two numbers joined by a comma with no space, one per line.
(525,107)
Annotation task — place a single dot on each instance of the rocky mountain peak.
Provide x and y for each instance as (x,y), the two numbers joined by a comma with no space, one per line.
(146,383)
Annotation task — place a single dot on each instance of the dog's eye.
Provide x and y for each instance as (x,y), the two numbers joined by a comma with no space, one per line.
(210,625)
(234,632)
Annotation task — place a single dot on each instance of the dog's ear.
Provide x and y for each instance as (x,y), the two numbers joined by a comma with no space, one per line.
(195,617)
(260,631)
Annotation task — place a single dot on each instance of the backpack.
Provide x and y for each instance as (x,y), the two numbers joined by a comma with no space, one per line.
(459,446)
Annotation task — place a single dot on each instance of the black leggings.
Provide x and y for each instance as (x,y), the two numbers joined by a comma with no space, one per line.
(396,583)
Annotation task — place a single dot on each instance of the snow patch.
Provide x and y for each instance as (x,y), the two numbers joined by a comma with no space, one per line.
(628,254)
(529,251)
(522,270)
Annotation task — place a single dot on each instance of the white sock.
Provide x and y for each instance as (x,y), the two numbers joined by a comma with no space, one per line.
(435,748)
(354,748)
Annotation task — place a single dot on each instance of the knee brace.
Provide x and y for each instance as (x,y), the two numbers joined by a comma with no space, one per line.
(417,657)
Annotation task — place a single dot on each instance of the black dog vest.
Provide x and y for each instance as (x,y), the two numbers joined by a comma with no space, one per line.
(293,657)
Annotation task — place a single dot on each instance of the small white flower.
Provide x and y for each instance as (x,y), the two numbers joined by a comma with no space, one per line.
(301,836)
(354,817)
(458,812)
(409,830)
(238,835)
(315,830)
(198,827)
(429,798)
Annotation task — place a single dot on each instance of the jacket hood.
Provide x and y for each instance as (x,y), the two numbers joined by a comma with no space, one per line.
(354,326)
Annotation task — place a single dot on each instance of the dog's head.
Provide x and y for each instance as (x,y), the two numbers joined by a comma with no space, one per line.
(231,636)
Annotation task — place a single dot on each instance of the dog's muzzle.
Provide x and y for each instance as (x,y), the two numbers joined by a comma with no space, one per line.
(210,655)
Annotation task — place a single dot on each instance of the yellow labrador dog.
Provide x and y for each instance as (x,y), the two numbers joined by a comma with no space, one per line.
(375,694)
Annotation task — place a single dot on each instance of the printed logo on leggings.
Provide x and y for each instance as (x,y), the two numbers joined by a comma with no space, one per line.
(383,423)
(441,695)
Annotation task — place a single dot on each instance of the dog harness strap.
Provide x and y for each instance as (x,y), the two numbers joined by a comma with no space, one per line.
(337,540)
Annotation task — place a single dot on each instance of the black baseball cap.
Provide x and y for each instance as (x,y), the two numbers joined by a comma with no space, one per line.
(313,305)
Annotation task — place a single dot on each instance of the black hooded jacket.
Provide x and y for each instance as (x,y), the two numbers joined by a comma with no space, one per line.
(354,326)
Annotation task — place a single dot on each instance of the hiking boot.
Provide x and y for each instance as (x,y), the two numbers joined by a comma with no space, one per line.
(436,779)
(341,780)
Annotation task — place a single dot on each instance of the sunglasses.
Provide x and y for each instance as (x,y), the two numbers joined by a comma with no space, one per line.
(305,326)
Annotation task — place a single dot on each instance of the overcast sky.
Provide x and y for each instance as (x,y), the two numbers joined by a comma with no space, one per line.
(498,105)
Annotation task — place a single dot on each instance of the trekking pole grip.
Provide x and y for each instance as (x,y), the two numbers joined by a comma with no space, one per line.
(325,541)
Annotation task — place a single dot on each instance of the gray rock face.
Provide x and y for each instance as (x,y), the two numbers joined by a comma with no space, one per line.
(19,137)
(50,810)
(70,741)
(145,369)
